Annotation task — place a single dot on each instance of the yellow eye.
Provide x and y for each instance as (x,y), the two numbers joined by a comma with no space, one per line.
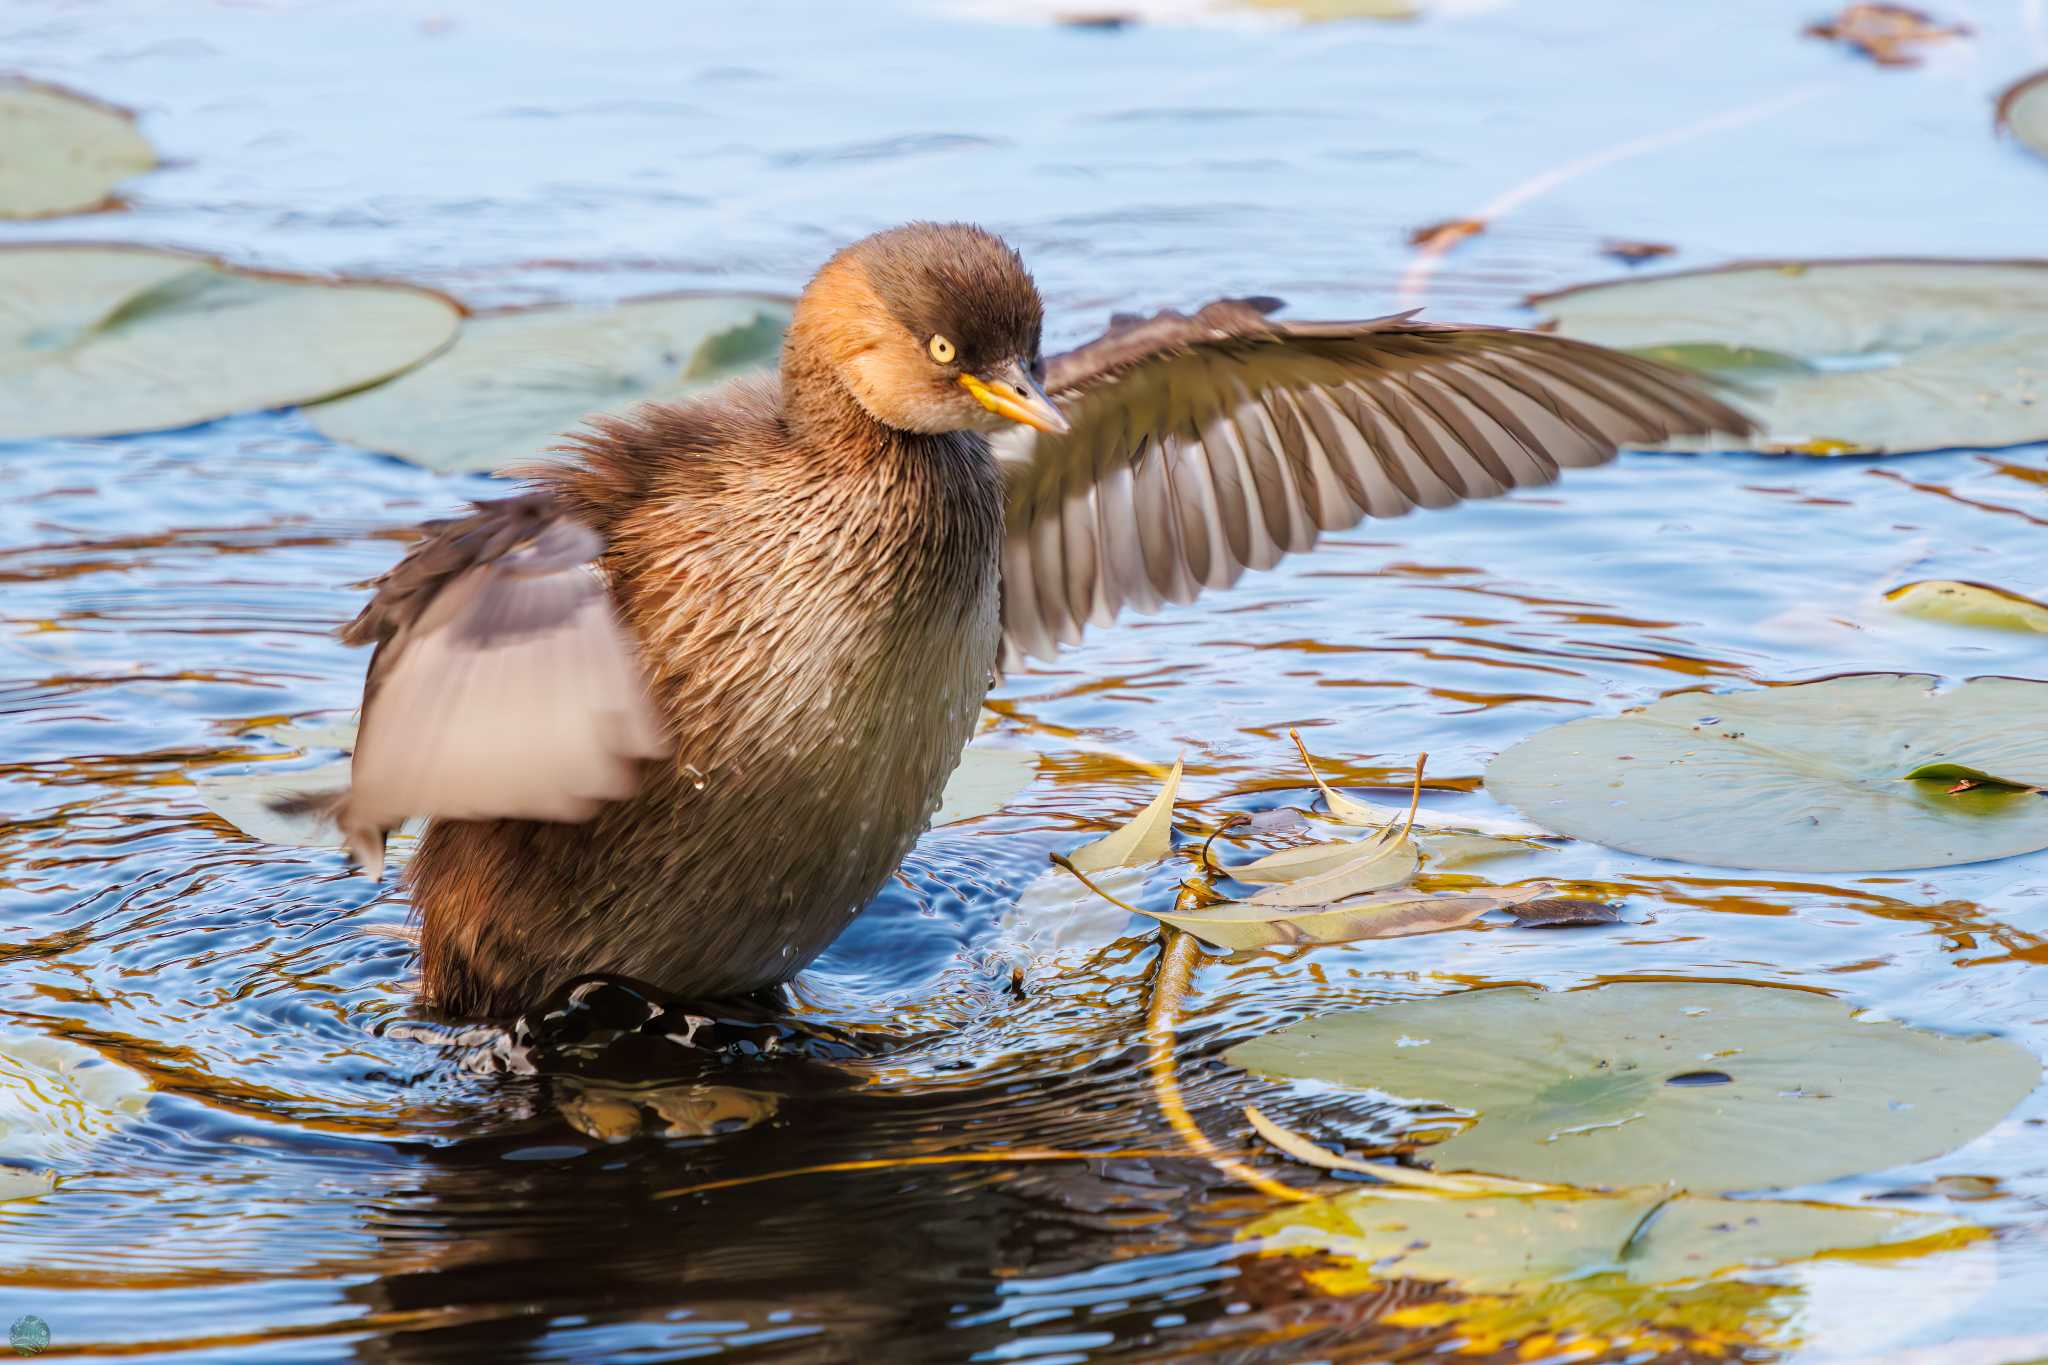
(942,349)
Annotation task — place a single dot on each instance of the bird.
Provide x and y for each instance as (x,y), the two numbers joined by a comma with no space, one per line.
(678,708)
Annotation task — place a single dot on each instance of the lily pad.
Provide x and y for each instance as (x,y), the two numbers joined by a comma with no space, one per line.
(2023,111)
(57,1099)
(985,782)
(1807,778)
(515,382)
(1969,604)
(1706,1087)
(99,341)
(1887,355)
(63,152)
(1503,1243)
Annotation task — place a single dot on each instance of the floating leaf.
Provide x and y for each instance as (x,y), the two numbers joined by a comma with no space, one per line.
(1389,914)
(1308,1153)
(1969,604)
(1635,253)
(63,152)
(1563,912)
(2023,111)
(1505,1243)
(1147,838)
(1803,778)
(1709,1087)
(1890,35)
(515,382)
(1956,772)
(1445,235)
(1375,865)
(1891,356)
(1365,814)
(98,341)
(1447,850)
(1323,11)
(985,782)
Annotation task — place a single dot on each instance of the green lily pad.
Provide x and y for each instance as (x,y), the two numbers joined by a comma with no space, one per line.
(515,382)
(1807,778)
(1845,357)
(2023,111)
(1969,604)
(1705,1087)
(63,152)
(99,341)
(1502,1243)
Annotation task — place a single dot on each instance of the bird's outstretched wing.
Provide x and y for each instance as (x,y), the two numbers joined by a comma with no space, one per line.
(1207,445)
(503,684)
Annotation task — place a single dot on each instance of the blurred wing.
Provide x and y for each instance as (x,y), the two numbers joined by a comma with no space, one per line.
(503,684)
(1204,446)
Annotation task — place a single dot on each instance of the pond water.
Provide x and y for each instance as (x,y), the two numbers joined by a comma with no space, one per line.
(321,1172)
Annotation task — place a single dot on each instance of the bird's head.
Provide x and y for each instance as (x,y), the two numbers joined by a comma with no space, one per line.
(932,327)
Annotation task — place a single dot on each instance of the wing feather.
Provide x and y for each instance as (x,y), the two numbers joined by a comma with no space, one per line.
(1205,445)
(503,683)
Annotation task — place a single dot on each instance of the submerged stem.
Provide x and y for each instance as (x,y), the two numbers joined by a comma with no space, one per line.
(1178,955)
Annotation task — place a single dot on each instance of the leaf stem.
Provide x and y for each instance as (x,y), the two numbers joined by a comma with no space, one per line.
(1232,823)
(1179,954)
(1060,859)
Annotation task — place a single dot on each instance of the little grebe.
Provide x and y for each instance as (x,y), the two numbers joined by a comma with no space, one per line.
(679,711)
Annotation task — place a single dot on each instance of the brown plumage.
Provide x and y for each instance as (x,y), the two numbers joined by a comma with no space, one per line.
(680,710)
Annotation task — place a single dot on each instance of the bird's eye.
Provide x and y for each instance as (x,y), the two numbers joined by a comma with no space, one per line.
(942,349)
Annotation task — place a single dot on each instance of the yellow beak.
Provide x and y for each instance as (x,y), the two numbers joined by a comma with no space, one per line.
(1012,393)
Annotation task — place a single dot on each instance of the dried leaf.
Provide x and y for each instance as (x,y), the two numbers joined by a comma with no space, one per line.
(1445,235)
(1635,253)
(1564,912)
(1378,864)
(1969,604)
(1390,914)
(1147,838)
(1353,811)
(1459,850)
(1887,34)
(1309,1154)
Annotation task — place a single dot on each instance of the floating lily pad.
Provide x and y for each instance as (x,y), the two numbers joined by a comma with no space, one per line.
(1706,1087)
(57,1099)
(1808,778)
(98,341)
(2023,111)
(1880,356)
(63,152)
(985,782)
(515,383)
(1969,604)
(1502,1243)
